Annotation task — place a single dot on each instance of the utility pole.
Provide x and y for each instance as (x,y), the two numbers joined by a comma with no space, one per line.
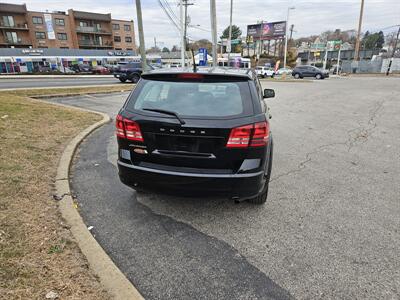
(393,52)
(141,35)
(357,49)
(291,31)
(155,43)
(186,4)
(286,36)
(229,45)
(182,34)
(213,13)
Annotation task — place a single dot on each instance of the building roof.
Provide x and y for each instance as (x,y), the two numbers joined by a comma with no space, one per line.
(13,8)
(91,16)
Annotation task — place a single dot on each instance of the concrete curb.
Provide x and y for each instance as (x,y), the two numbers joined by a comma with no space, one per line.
(54,76)
(61,87)
(113,280)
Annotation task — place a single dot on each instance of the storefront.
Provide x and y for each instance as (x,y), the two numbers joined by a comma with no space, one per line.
(59,60)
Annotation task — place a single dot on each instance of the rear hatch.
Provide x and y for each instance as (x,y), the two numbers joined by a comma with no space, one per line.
(195,139)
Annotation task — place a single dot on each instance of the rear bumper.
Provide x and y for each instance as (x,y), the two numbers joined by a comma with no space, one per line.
(238,186)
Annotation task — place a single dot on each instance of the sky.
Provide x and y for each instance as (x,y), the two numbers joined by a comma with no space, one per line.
(309,16)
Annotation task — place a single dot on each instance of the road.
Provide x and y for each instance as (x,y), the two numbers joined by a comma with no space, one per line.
(55,82)
(329,229)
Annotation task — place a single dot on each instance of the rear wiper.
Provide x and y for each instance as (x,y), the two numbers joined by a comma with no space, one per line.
(167,112)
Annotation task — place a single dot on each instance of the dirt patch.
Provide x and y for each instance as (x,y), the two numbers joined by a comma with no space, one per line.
(38,254)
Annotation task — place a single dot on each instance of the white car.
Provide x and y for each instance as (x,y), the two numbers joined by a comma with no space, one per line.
(282,71)
(265,72)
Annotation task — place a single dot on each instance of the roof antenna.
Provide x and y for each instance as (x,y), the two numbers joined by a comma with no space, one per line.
(194,62)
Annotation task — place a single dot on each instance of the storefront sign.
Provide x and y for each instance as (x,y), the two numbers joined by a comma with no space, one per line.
(49,25)
(32,51)
(118,53)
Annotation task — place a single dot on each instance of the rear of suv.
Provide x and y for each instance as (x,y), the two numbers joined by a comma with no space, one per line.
(204,132)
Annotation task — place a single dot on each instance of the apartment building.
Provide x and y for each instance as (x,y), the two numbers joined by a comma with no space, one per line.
(20,28)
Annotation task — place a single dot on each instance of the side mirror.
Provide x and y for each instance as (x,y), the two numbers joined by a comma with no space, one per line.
(269,93)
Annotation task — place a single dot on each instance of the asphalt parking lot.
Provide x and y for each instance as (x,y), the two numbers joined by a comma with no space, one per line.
(329,229)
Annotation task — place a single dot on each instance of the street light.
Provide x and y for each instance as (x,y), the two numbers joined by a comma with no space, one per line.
(286,35)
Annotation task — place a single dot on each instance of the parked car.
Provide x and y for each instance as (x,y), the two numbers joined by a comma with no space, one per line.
(198,133)
(265,72)
(282,71)
(128,71)
(101,70)
(309,71)
(81,68)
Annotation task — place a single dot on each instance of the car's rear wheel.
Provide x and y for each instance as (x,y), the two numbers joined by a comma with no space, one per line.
(297,75)
(135,78)
(318,76)
(262,197)
(122,79)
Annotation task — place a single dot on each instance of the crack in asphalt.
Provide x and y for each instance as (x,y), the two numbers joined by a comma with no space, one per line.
(356,136)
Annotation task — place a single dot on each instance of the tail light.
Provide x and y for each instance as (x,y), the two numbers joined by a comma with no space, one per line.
(128,129)
(254,135)
(260,134)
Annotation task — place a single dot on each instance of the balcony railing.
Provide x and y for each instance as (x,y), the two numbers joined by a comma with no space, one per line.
(90,43)
(15,26)
(92,30)
(18,41)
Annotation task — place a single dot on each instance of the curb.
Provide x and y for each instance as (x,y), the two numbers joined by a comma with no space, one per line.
(61,87)
(113,280)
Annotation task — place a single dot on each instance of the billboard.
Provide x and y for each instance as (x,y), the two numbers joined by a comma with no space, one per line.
(49,25)
(267,31)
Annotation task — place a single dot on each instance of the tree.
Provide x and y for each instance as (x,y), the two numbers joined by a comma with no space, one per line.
(236,32)
(153,50)
(381,40)
(165,49)
(203,43)
(373,41)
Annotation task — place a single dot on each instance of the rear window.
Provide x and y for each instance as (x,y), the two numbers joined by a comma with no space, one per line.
(193,99)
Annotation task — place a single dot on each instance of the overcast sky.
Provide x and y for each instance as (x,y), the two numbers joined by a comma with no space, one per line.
(309,17)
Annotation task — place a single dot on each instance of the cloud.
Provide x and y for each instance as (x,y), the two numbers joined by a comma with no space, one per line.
(309,17)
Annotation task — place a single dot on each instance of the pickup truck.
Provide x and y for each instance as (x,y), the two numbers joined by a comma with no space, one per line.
(128,71)
(265,72)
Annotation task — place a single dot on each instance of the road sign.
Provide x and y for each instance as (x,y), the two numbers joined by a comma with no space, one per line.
(203,55)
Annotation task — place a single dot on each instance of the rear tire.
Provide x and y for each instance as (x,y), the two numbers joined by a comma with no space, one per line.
(297,75)
(262,197)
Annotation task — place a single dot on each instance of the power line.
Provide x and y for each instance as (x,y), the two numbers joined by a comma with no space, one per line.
(169,16)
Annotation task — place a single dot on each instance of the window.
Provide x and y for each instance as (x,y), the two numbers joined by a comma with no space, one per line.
(8,21)
(83,24)
(129,49)
(37,20)
(60,22)
(128,39)
(62,36)
(97,26)
(115,26)
(196,99)
(64,47)
(127,27)
(12,37)
(117,39)
(40,35)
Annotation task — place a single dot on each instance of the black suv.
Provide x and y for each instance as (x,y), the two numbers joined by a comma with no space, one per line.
(309,71)
(197,132)
(128,71)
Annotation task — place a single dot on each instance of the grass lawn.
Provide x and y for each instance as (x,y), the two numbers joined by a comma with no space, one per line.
(37,252)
